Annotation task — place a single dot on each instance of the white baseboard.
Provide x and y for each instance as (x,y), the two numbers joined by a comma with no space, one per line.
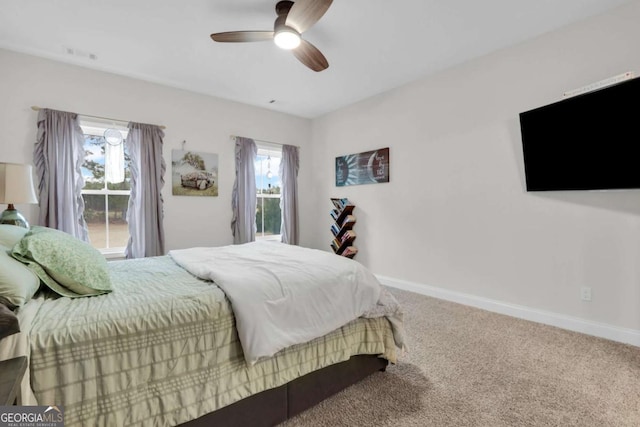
(602,330)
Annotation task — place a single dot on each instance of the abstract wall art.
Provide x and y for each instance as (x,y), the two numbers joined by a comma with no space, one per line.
(370,167)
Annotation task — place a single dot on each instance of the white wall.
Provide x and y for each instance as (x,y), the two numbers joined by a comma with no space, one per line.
(206,123)
(456,214)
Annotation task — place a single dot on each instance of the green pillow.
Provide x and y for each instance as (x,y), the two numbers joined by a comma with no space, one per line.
(69,266)
(18,284)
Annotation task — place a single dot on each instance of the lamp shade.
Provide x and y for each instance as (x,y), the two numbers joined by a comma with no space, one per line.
(16,184)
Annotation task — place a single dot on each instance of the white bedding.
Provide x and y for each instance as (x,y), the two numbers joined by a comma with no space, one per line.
(283,294)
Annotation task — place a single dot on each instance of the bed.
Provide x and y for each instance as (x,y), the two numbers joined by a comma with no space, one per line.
(162,348)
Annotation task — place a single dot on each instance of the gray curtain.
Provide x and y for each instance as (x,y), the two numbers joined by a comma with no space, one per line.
(58,156)
(289,198)
(145,213)
(243,198)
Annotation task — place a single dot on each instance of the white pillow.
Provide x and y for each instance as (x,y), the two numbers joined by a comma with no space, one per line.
(18,283)
(11,234)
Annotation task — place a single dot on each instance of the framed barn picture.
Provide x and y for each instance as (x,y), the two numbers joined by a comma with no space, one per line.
(194,173)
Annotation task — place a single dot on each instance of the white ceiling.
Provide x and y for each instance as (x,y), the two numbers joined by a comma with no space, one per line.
(372,45)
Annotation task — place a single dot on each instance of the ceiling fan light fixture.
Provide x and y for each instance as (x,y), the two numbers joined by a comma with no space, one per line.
(287,38)
(294,19)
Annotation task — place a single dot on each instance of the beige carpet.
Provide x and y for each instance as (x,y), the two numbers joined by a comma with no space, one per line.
(469,367)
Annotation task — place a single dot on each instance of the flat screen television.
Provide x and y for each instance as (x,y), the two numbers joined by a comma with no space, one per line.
(588,142)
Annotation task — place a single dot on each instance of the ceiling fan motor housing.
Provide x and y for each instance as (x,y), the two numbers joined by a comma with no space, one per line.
(284,36)
(283,7)
(280,23)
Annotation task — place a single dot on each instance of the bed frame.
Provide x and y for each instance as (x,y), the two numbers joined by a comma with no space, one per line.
(276,405)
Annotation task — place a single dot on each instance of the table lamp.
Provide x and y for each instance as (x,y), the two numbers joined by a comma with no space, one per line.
(16,186)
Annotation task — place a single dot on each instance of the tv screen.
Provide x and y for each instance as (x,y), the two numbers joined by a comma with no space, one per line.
(588,142)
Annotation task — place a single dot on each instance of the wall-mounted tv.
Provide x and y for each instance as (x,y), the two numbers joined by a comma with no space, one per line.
(588,142)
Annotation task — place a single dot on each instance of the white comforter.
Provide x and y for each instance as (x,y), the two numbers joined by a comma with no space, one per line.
(282,294)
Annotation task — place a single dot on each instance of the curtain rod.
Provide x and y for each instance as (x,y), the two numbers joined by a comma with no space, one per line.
(233,138)
(36,108)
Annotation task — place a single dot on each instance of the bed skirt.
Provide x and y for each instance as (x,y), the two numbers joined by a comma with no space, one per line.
(271,407)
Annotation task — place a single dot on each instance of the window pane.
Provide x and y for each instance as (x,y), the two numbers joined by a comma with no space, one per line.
(95,216)
(268,216)
(93,166)
(118,227)
(268,173)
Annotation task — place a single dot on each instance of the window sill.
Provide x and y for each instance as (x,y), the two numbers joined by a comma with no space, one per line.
(112,255)
(271,238)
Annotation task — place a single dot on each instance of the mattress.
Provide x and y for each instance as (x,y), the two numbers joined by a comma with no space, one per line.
(162,349)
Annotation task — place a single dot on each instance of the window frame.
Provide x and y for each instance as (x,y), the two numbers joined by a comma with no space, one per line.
(96,127)
(273,151)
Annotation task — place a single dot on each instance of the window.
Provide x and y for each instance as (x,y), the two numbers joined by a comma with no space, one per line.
(268,215)
(107,185)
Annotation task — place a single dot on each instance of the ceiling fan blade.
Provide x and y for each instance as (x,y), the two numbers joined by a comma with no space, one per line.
(310,56)
(242,36)
(305,13)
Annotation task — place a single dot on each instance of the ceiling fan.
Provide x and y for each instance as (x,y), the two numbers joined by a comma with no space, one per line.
(293,19)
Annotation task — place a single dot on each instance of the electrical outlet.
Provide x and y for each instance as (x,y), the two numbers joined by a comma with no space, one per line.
(585,293)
